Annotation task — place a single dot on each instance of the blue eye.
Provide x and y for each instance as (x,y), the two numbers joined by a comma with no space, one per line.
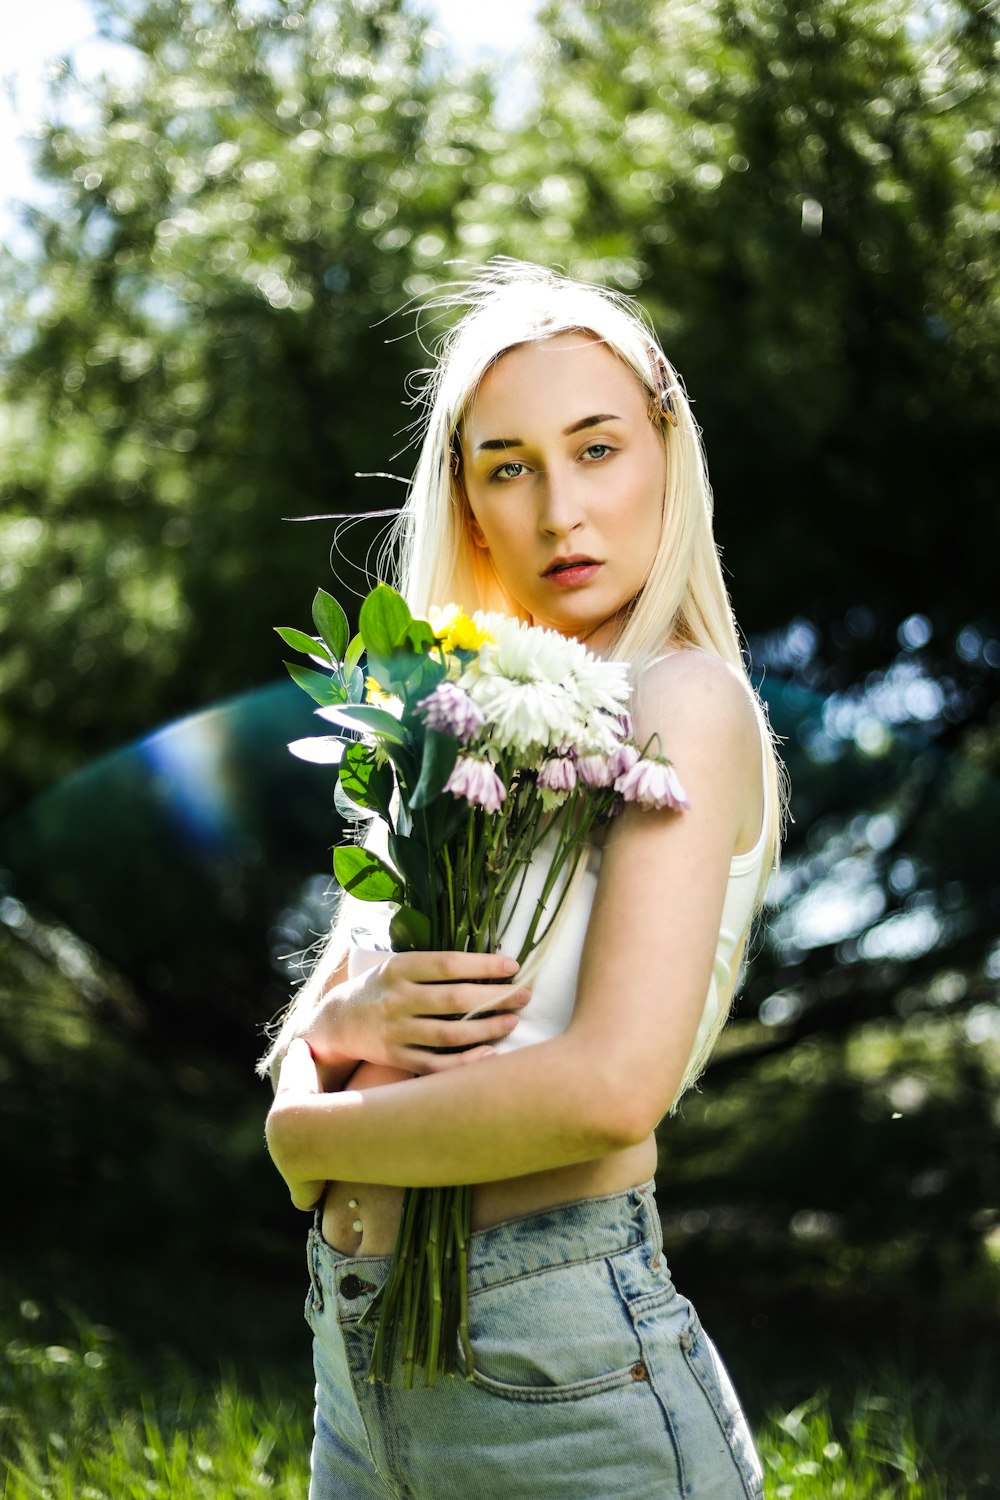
(502,471)
(597,451)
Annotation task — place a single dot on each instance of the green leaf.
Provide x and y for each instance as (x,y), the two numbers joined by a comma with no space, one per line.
(420,636)
(440,754)
(362,716)
(446,818)
(410,931)
(409,674)
(325,690)
(353,655)
(389,671)
(366,876)
(299,641)
(416,865)
(345,808)
(384,619)
(331,622)
(366,782)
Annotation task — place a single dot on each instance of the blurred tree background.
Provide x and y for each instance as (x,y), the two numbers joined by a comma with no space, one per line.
(214,333)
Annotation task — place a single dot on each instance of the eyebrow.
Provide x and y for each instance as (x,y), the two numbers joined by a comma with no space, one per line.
(492,445)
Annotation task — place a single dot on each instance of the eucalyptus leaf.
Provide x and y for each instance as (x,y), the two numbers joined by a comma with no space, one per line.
(364,875)
(331,622)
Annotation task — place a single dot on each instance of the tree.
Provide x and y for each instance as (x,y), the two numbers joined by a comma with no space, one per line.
(803,197)
(204,350)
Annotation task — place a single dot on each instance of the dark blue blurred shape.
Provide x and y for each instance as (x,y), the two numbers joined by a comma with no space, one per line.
(171,855)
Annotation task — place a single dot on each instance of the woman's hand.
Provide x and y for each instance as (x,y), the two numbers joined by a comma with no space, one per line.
(396,1011)
(298,1077)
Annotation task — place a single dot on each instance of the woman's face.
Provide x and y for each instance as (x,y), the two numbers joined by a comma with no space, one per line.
(565,474)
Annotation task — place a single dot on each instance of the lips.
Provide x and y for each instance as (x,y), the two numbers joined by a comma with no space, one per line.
(566,564)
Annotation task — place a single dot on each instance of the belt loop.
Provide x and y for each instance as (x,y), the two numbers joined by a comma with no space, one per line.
(647,1192)
(312,1260)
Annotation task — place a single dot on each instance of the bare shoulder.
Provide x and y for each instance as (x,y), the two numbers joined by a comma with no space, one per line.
(695,693)
(702,713)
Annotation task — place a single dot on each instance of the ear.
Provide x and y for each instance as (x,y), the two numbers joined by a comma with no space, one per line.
(476,533)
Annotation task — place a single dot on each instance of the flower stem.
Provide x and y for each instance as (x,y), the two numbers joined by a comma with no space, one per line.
(462,1213)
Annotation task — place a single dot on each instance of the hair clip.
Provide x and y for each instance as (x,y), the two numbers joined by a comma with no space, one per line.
(663,393)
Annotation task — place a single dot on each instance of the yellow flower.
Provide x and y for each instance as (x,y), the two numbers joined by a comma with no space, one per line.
(378,698)
(455,630)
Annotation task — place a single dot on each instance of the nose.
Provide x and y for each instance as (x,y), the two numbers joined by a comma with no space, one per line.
(560,503)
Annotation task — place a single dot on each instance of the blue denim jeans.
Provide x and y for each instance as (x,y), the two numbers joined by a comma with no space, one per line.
(594,1379)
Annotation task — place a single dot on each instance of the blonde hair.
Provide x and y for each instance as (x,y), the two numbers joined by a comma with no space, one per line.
(504,305)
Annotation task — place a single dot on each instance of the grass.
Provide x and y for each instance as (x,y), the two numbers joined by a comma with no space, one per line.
(80,1421)
(877,1451)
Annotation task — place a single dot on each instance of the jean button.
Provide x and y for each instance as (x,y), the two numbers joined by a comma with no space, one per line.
(352,1286)
(639,1371)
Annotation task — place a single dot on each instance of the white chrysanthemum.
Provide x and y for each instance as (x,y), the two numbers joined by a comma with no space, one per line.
(596,735)
(601,685)
(526,716)
(580,698)
(527,653)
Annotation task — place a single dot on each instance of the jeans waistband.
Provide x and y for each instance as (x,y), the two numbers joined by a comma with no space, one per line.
(585,1229)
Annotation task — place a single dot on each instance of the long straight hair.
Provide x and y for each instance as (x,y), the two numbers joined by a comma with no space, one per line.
(431,554)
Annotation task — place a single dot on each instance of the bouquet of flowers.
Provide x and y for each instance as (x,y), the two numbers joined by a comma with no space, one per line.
(473,738)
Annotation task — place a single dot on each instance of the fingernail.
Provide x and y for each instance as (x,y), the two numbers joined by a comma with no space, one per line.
(510,965)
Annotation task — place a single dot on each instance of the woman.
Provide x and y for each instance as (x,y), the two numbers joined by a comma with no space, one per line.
(561,480)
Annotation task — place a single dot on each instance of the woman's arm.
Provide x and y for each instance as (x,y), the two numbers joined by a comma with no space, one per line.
(645,972)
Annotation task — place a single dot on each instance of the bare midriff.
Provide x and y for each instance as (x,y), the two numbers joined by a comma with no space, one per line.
(377,1207)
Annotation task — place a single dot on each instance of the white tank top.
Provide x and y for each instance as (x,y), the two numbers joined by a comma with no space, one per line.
(553,971)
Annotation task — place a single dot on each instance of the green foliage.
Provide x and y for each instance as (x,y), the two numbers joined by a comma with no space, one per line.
(873,1451)
(232,230)
(804,198)
(331,622)
(436,765)
(384,620)
(376,720)
(81,1418)
(79,1421)
(366,778)
(364,875)
(410,930)
(321,688)
(804,201)
(299,641)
